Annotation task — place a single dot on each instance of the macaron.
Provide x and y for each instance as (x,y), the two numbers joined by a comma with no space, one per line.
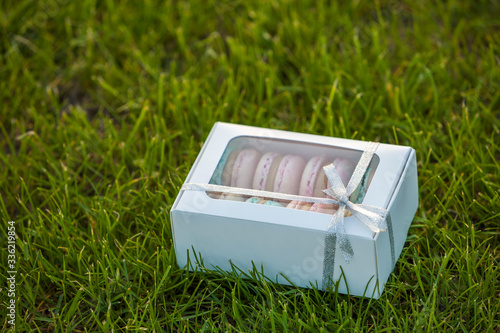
(265,172)
(272,203)
(324,208)
(329,209)
(226,196)
(244,168)
(345,169)
(232,197)
(314,180)
(228,168)
(255,200)
(289,174)
(214,195)
(263,201)
(302,205)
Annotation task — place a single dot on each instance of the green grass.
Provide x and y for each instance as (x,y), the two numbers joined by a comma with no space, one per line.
(104,106)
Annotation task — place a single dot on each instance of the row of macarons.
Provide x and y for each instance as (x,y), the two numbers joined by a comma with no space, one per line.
(301,205)
(290,174)
(294,204)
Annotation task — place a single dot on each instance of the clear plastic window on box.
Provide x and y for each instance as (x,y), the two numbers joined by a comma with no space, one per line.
(286,166)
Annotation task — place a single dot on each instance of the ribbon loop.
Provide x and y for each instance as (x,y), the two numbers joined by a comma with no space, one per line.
(361,167)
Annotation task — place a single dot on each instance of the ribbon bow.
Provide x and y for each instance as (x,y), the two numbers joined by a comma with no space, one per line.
(372,217)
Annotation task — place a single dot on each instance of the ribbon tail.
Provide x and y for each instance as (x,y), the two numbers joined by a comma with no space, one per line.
(372,217)
(377,220)
(344,241)
(337,189)
(329,259)
(331,237)
(337,226)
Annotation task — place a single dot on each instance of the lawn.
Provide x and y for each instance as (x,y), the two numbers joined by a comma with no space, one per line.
(104,106)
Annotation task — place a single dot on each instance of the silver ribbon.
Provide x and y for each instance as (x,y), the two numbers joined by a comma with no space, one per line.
(374,218)
(254,193)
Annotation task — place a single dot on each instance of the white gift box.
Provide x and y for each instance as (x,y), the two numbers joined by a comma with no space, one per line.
(289,244)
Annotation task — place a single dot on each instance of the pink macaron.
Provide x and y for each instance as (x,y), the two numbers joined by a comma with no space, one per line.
(324,208)
(265,171)
(345,169)
(329,209)
(244,168)
(301,205)
(314,180)
(288,175)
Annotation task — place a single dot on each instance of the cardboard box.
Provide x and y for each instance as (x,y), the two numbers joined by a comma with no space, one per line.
(289,242)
